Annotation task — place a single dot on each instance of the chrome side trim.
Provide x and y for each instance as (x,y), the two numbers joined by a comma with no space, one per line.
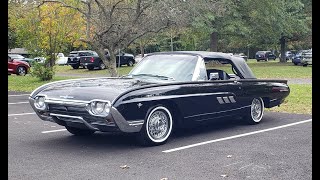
(75,117)
(124,125)
(220,100)
(217,112)
(226,99)
(143,99)
(135,123)
(232,99)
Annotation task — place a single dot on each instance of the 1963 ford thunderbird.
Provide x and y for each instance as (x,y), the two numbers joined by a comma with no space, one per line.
(163,91)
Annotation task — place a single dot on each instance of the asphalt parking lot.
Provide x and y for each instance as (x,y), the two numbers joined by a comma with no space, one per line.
(280,147)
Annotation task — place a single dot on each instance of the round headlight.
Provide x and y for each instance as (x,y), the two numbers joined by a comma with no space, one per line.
(39,103)
(99,108)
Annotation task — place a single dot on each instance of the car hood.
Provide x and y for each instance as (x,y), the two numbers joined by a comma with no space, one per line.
(20,61)
(86,89)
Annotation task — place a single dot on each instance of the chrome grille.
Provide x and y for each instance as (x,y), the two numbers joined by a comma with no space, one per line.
(76,111)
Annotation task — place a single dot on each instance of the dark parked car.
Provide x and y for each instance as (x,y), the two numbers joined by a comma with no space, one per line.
(125,59)
(74,58)
(164,91)
(17,67)
(296,60)
(265,55)
(94,61)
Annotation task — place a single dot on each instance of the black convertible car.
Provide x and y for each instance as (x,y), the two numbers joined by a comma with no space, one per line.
(164,91)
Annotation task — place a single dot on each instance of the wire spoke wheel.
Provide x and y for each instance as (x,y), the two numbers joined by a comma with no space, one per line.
(157,127)
(257,108)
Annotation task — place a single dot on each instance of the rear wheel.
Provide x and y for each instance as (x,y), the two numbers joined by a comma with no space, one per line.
(157,127)
(295,63)
(21,71)
(256,111)
(305,65)
(90,67)
(75,66)
(79,132)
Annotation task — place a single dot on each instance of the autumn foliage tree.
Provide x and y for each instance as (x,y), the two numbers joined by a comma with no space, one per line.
(46,29)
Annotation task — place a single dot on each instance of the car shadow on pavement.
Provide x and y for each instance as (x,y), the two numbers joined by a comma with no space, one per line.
(124,142)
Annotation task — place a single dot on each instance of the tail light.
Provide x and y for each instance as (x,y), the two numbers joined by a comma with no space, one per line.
(91,59)
(279,89)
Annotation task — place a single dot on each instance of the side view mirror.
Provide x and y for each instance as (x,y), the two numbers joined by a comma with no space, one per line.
(214,76)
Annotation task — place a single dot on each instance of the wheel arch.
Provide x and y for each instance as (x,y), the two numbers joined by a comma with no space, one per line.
(172,107)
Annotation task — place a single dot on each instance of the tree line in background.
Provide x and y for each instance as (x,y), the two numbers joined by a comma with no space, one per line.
(45,27)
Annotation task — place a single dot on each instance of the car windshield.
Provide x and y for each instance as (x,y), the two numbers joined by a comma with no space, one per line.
(73,54)
(166,67)
(261,52)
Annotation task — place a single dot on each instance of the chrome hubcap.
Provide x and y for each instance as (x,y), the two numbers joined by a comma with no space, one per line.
(158,125)
(256,110)
(21,71)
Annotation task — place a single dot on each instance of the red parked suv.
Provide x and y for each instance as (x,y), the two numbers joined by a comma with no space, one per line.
(17,67)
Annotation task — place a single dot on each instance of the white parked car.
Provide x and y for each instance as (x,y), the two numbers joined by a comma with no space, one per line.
(62,60)
(40,59)
(306,58)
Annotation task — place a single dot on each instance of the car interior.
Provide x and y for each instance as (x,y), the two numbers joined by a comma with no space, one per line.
(222,75)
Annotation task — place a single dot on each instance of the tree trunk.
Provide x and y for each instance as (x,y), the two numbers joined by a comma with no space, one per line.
(112,65)
(214,42)
(283,50)
(142,49)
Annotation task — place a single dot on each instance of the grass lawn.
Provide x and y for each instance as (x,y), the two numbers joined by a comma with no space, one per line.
(274,69)
(298,101)
(69,70)
(28,83)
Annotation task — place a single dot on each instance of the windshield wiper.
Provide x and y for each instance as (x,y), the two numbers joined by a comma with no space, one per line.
(155,75)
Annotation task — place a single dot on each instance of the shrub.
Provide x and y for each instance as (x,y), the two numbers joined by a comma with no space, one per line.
(42,71)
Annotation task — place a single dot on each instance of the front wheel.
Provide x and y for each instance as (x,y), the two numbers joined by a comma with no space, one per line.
(79,132)
(157,127)
(90,68)
(256,111)
(21,71)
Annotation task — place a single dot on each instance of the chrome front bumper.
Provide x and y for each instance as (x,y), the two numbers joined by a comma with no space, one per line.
(114,120)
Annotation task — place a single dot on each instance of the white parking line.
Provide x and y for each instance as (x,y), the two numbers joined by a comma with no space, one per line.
(58,130)
(19,103)
(236,136)
(18,95)
(20,114)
